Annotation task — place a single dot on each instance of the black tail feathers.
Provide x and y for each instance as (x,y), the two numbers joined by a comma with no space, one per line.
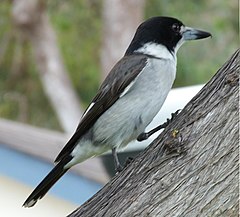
(56,173)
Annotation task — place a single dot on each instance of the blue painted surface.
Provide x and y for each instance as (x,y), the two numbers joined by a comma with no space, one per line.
(31,171)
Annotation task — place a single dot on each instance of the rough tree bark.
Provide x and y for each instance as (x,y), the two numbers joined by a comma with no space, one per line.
(32,20)
(125,17)
(191,169)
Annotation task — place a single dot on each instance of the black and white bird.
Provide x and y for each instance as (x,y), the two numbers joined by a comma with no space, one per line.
(128,99)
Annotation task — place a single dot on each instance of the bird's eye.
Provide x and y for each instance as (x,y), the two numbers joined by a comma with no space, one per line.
(176,27)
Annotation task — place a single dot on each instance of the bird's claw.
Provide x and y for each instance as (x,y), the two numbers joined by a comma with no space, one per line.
(144,136)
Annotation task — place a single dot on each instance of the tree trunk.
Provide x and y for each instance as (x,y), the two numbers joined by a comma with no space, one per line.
(191,169)
(31,19)
(120,19)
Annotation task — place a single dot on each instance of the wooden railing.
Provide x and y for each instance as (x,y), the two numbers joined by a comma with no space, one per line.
(46,144)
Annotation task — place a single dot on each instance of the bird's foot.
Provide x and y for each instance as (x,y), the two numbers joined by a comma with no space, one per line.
(128,161)
(118,168)
(144,136)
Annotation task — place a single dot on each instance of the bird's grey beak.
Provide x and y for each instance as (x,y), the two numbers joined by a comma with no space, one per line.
(189,33)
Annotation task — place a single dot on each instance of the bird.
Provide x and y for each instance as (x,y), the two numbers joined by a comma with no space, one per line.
(128,99)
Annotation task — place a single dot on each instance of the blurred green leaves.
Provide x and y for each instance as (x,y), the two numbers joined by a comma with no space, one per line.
(78,27)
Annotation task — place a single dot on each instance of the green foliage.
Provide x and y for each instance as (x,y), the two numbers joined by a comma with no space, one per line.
(21,95)
(78,27)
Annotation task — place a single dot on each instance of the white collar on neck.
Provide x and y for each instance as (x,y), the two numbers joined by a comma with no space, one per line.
(156,50)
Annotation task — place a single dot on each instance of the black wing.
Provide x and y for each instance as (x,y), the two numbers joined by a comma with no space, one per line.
(122,74)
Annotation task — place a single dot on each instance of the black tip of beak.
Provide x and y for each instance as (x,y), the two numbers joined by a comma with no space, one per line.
(203,34)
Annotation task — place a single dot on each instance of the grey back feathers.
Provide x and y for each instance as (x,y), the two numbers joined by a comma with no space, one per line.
(115,83)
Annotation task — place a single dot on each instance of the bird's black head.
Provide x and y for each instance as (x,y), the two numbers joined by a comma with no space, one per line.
(166,31)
